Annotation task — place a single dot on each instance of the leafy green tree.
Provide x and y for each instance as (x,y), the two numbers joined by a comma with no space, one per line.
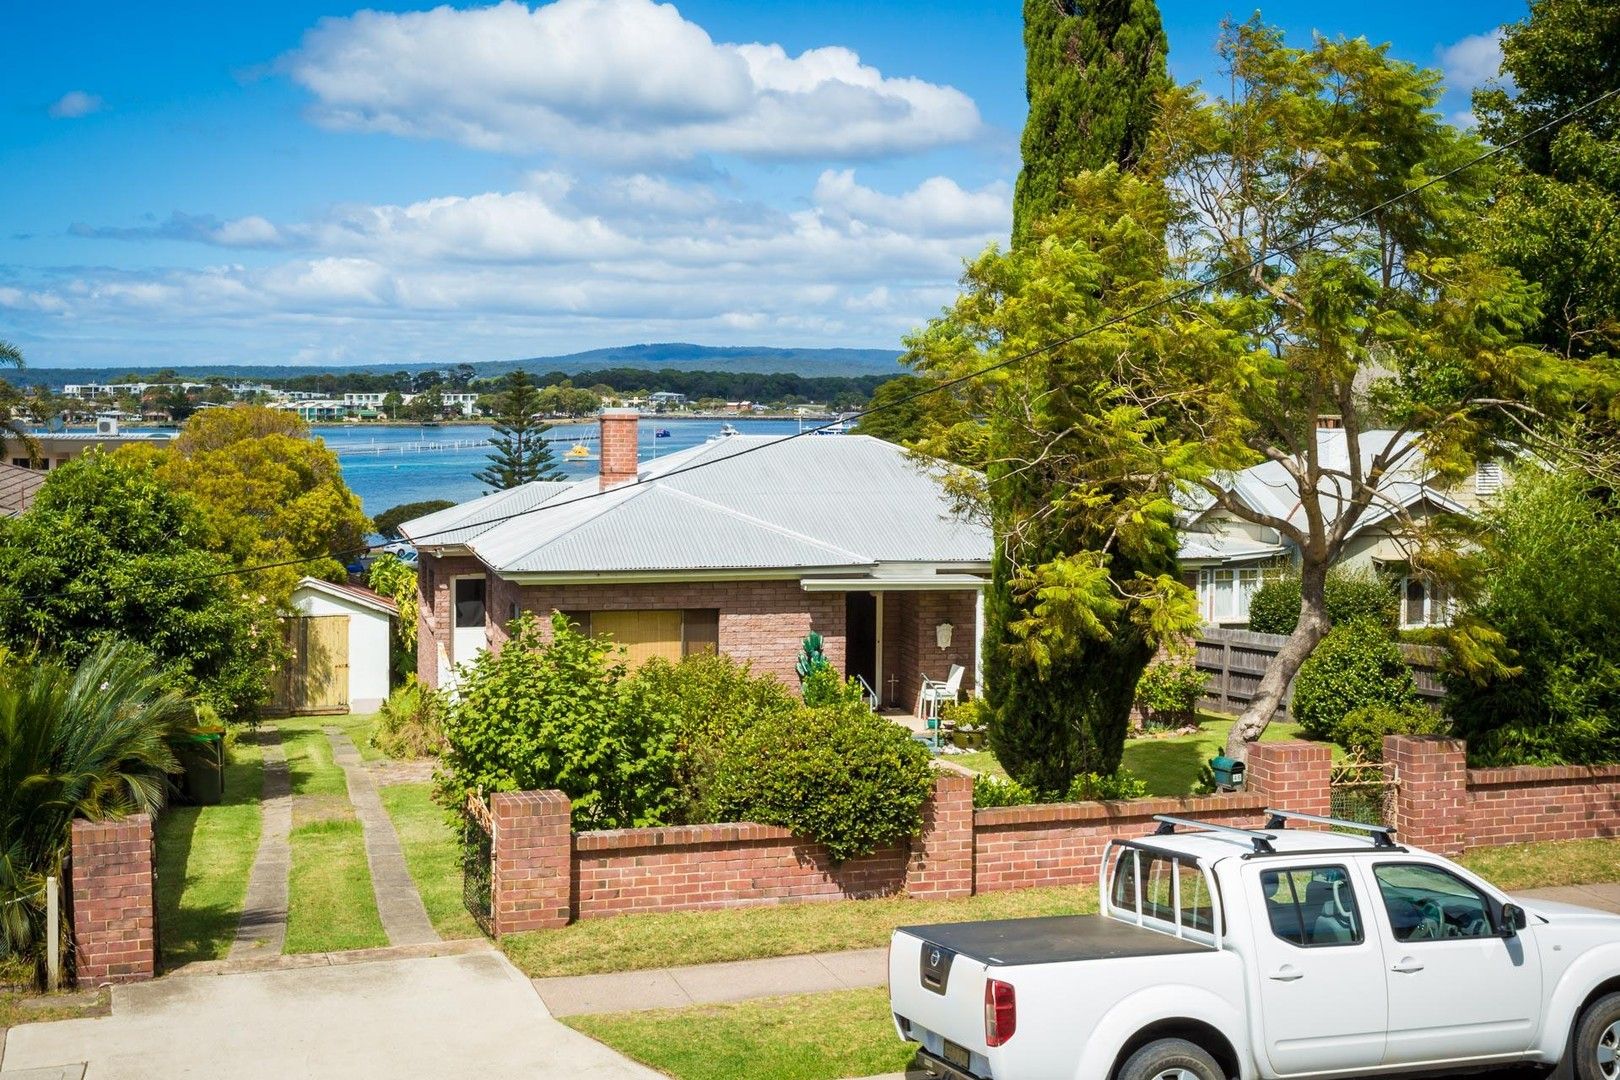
(1347,594)
(269,491)
(520,453)
(393,403)
(426,405)
(89,742)
(13,432)
(109,551)
(389,521)
(1339,301)
(1556,217)
(905,418)
(1093,71)
(396,579)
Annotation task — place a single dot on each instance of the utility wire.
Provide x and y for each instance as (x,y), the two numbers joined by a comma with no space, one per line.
(1183,293)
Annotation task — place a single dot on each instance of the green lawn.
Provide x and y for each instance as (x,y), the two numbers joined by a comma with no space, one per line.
(630,942)
(1537,866)
(204,854)
(330,903)
(806,1037)
(1170,765)
(433,853)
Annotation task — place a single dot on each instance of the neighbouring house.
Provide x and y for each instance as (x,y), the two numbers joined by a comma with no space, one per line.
(1225,558)
(18,485)
(338,640)
(53,448)
(742,545)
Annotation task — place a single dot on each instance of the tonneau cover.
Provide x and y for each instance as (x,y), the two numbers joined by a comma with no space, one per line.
(1053,939)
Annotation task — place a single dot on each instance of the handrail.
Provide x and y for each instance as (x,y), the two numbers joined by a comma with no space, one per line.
(1168,822)
(867,692)
(1382,835)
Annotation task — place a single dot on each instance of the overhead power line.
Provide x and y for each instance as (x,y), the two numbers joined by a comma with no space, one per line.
(1184,293)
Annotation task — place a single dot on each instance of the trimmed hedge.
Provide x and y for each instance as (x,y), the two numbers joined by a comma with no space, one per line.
(1350,595)
(1357,665)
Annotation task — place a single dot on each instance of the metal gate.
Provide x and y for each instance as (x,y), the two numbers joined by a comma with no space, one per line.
(477,863)
(1363,792)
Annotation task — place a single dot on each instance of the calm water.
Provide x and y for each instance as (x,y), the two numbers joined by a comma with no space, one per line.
(387,466)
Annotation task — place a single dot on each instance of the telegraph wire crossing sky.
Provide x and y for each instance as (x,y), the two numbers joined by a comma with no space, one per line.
(287,186)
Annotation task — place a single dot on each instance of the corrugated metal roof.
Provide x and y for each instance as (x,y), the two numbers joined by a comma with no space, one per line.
(17,488)
(850,501)
(458,524)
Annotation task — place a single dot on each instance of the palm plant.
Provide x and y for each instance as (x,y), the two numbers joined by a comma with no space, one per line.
(85,743)
(12,429)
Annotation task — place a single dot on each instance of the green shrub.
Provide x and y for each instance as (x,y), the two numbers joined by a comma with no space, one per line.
(1356,665)
(1088,787)
(1349,594)
(410,722)
(1362,730)
(1167,693)
(841,775)
(824,686)
(991,791)
(560,715)
(970,715)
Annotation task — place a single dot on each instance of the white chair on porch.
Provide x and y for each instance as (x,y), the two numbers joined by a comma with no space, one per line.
(934,694)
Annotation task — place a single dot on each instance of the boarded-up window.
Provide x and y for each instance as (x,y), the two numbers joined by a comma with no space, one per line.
(642,634)
(701,632)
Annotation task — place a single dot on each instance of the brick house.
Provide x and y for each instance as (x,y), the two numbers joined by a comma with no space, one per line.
(742,545)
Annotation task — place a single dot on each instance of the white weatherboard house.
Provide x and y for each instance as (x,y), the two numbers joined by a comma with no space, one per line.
(1225,558)
(340,638)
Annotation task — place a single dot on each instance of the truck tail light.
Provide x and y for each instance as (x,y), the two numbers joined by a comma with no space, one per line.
(1000,1012)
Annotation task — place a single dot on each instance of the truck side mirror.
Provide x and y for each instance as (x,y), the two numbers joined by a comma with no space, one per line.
(1513,919)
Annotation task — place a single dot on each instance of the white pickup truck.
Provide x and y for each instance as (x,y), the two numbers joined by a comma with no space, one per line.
(1225,953)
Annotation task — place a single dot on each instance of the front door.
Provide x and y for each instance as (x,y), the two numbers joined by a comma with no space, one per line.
(860,637)
(1320,970)
(468,637)
(1457,988)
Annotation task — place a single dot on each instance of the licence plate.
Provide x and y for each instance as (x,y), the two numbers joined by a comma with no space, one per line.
(960,1056)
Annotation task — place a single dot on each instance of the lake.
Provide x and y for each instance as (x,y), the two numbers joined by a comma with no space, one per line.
(389,465)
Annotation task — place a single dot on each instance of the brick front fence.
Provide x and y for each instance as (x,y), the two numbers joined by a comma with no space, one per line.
(113,892)
(546,875)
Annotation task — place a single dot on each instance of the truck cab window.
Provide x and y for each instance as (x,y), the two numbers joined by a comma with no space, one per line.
(1310,906)
(1426,903)
(1165,883)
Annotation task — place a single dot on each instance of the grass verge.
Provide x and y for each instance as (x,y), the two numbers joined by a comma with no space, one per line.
(804,1037)
(433,854)
(204,854)
(633,942)
(309,756)
(1545,865)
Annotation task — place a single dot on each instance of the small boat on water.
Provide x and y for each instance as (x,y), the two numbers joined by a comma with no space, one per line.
(577,452)
(837,427)
(661,433)
(725,432)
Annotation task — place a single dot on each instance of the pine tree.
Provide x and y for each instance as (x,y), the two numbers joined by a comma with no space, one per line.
(521,454)
(1093,72)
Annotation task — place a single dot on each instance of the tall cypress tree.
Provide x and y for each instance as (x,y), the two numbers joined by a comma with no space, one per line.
(1093,72)
(521,454)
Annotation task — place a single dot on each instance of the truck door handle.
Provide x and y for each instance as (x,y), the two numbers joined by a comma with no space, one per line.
(1287,973)
(1406,966)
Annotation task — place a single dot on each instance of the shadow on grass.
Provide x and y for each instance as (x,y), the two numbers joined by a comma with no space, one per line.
(1169,766)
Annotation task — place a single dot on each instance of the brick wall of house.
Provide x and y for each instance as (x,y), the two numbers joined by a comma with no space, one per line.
(112,891)
(434,619)
(917,641)
(1026,847)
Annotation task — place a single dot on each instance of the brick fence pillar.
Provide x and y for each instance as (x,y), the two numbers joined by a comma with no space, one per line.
(113,896)
(1431,793)
(532,846)
(941,864)
(1292,775)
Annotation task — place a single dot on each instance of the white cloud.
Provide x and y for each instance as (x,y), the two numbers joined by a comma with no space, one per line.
(936,207)
(1473,61)
(74,104)
(612,80)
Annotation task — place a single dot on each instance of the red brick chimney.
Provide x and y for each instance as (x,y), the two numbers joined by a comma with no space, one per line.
(618,446)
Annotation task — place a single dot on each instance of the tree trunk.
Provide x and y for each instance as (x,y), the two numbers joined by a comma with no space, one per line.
(1313,626)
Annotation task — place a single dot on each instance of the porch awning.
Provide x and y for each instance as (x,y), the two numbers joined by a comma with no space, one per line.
(906,583)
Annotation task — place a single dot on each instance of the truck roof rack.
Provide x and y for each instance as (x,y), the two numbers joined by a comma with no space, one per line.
(1167,825)
(1383,836)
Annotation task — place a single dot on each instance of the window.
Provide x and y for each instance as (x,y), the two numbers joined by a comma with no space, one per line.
(1488,478)
(1164,881)
(645,634)
(1312,906)
(1423,603)
(1426,903)
(469,602)
(1224,594)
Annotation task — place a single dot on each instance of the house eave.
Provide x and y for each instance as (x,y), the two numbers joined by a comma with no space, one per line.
(650,577)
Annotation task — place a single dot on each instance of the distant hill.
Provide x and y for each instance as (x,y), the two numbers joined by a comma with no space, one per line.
(651,357)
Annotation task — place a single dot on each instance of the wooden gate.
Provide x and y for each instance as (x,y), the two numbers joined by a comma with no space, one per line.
(315,676)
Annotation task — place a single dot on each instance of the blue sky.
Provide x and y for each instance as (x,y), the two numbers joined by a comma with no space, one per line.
(277,183)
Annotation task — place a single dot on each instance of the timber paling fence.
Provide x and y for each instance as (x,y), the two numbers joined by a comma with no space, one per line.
(1234,661)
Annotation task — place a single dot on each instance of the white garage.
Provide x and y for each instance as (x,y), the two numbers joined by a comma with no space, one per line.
(338,643)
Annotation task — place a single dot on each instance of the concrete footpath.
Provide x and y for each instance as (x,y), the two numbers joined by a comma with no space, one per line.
(263,926)
(471,1016)
(712,984)
(1600,897)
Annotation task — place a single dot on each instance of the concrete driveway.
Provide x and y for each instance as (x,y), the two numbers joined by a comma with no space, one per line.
(472,1016)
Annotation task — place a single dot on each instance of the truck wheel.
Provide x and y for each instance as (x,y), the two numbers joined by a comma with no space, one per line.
(1597,1040)
(1177,1059)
